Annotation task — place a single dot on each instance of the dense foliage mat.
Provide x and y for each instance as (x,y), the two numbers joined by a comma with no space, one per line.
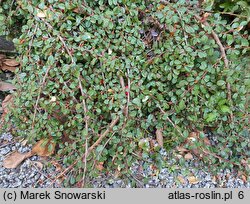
(103,78)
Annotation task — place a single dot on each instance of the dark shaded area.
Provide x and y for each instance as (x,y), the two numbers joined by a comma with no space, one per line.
(6,45)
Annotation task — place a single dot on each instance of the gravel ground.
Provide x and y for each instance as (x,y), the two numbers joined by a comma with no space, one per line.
(28,174)
(144,174)
(195,175)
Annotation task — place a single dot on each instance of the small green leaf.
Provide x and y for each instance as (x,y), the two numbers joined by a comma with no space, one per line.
(225,109)
(221,83)
(51,60)
(211,117)
(244,42)
(72,180)
(136,101)
(182,105)
(50,148)
(202,54)
(230,39)
(78,106)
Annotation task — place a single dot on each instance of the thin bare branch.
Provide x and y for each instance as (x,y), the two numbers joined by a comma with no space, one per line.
(112,124)
(122,83)
(171,122)
(128,95)
(86,119)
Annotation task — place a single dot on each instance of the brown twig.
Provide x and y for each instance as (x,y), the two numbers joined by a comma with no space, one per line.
(47,178)
(218,157)
(216,38)
(140,183)
(171,122)
(122,83)
(86,118)
(85,163)
(125,109)
(128,95)
(83,95)
(90,149)
(112,124)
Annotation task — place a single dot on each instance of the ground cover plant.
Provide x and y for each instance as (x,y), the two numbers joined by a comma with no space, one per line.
(105,83)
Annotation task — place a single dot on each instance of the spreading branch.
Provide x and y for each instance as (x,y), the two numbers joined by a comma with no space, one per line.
(224,57)
(222,50)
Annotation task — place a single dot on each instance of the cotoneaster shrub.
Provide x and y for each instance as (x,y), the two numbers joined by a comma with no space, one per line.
(106,75)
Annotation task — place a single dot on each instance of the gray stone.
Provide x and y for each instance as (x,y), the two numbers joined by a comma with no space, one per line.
(5,150)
